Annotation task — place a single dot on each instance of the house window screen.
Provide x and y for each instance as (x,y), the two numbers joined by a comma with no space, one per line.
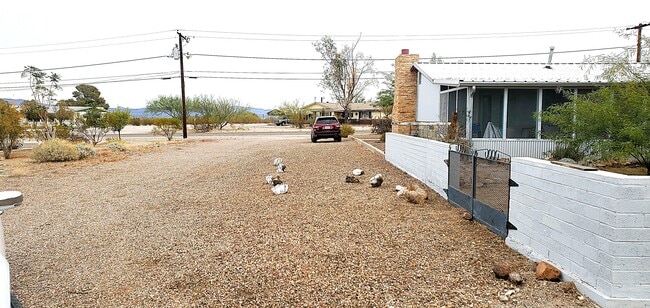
(551,97)
(522,105)
(488,112)
(444,106)
(454,101)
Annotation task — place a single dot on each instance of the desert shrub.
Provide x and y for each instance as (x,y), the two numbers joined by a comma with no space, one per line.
(55,150)
(115,140)
(85,151)
(62,132)
(147,121)
(381,126)
(135,121)
(116,147)
(567,150)
(346,130)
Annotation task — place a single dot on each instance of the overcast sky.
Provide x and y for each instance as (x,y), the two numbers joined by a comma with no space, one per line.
(232,41)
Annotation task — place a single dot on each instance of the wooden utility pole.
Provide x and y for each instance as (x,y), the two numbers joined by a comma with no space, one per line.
(638,39)
(180,47)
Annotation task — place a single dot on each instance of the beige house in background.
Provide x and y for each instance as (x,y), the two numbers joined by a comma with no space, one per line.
(358,111)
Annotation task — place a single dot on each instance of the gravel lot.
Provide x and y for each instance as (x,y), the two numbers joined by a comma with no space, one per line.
(195,224)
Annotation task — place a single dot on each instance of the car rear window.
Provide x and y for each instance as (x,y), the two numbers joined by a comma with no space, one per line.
(326,121)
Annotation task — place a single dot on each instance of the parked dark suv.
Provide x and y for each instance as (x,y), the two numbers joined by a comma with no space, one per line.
(326,127)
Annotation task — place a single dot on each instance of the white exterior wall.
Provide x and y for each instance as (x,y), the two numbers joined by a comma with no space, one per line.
(428,106)
(593,225)
(421,158)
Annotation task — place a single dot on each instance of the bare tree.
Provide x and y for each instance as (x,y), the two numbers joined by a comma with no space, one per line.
(346,73)
(620,66)
(44,94)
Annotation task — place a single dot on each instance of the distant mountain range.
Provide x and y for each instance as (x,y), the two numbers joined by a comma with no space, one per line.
(142,113)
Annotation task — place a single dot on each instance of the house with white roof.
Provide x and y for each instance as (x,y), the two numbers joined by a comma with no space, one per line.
(497,104)
(358,113)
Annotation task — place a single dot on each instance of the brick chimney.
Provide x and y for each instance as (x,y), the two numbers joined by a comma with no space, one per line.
(405,91)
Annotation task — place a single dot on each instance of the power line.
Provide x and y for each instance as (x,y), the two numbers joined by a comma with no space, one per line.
(89,65)
(402,38)
(101,77)
(532,54)
(392,59)
(275,78)
(23,88)
(86,41)
(526,33)
(83,47)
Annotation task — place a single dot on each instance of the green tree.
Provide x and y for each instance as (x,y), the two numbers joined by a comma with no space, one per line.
(610,123)
(386,97)
(166,127)
(87,96)
(216,112)
(44,87)
(10,128)
(117,120)
(346,73)
(295,112)
(167,105)
(63,113)
(92,125)
(33,111)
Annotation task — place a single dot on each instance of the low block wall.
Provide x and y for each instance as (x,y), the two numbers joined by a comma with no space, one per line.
(593,225)
(421,158)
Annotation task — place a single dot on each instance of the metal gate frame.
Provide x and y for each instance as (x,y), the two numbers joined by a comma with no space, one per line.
(492,210)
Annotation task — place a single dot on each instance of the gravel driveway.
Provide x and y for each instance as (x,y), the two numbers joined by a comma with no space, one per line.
(195,224)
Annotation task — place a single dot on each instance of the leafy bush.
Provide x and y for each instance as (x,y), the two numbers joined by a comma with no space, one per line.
(346,130)
(62,132)
(85,151)
(567,150)
(55,150)
(116,147)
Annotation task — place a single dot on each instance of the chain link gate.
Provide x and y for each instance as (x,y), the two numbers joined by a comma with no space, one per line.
(479,181)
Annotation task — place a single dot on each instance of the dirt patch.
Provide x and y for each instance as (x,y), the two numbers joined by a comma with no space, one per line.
(196,224)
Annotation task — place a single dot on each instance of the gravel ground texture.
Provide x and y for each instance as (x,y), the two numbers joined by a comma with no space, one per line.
(194,223)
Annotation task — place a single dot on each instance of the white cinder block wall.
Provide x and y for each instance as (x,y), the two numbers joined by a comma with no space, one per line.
(593,225)
(421,158)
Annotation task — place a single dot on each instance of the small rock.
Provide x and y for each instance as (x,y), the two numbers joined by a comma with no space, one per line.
(269,179)
(515,278)
(415,194)
(501,271)
(467,216)
(357,172)
(351,179)
(581,298)
(376,180)
(546,271)
(281,167)
(503,298)
(400,189)
(509,293)
(275,180)
(567,286)
(568,160)
(280,189)
(277,161)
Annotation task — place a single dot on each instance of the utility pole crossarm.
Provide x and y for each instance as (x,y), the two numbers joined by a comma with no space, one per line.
(638,39)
